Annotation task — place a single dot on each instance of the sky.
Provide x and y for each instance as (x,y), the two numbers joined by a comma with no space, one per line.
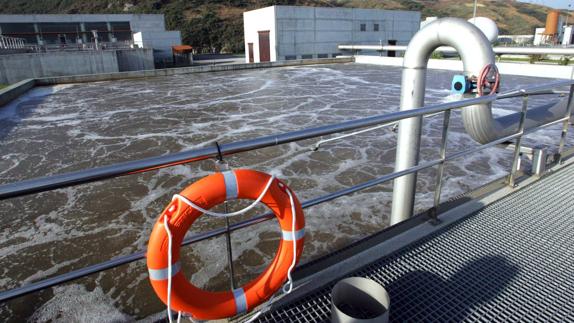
(558,4)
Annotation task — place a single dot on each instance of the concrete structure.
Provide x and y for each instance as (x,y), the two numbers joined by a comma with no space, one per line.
(14,68)
(568,35)
(289,32)
(161,42)
(538,36)
(107,30)
(555,35)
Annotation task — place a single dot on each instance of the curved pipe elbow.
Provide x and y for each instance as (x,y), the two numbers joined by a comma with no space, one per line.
(475,51)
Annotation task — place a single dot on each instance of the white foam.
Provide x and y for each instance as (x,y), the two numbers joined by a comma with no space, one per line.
(73,303)
(102,123)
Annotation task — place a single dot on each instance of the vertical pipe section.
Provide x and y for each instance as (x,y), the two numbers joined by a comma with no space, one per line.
(408,144)
(475,51)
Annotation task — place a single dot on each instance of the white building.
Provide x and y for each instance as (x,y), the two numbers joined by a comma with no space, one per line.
(70,31)
(538,36)
(289,32)
(568,35)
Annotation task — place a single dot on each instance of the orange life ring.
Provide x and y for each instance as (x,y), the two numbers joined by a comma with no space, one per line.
(206,193)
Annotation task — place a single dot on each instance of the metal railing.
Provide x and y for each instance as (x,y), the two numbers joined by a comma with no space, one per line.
(519,50)
(38,185)
(12,42)
(91,46)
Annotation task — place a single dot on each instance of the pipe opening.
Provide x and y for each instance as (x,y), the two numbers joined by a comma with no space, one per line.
(358,299)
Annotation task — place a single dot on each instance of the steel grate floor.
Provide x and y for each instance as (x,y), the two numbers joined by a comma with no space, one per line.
(511,261)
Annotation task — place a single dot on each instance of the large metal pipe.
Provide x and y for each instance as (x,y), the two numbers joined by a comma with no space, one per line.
(476,52)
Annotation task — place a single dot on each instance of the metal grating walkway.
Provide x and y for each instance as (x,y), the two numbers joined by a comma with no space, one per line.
(511,261)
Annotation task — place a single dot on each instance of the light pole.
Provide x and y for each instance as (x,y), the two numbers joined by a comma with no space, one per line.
(474,11)
(568,13)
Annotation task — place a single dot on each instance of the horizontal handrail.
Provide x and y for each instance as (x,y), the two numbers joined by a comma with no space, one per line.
(122,260)
(447,49)
(48,183)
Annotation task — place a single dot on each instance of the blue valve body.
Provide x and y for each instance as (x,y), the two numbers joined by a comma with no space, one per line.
(461,85)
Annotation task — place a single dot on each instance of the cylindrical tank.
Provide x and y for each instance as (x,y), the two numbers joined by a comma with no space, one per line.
(487,26)
(552,22)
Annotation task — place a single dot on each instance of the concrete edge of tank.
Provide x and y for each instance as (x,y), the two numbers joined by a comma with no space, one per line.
(15,90)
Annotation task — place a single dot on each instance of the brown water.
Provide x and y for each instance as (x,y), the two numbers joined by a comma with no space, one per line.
(60,129)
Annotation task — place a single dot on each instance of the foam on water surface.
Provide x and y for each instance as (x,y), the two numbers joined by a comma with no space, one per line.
(53,130)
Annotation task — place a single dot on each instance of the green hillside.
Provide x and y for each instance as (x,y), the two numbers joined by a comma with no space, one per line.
(217,25)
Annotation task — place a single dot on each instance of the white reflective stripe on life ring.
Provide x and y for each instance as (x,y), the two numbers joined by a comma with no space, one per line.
(163,274)
(231,190)
(288,235)
(240,300)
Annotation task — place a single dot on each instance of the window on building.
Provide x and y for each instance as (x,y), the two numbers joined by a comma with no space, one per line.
(290,57)
(376,27)
(322,55)
(121,30)
(307,56)
(363,27)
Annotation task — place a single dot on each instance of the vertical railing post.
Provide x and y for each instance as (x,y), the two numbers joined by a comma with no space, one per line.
(221,166)
(440,171)
(565,125)
(517,147)
(229,250)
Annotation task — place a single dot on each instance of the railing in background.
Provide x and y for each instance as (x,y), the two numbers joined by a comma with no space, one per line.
(133,167)
(9,43)
(445,49)
(12,42)
(84,47)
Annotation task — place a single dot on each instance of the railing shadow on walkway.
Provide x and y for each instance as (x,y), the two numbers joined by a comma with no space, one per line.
(432,297)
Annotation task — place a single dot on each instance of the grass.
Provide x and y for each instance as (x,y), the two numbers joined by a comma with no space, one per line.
(527,60)
(3,86)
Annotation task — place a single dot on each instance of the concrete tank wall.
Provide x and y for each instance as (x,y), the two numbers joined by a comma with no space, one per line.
(14,68)
(135,59)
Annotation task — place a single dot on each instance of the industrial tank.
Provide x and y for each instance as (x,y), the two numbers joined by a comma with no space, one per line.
(552,22)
